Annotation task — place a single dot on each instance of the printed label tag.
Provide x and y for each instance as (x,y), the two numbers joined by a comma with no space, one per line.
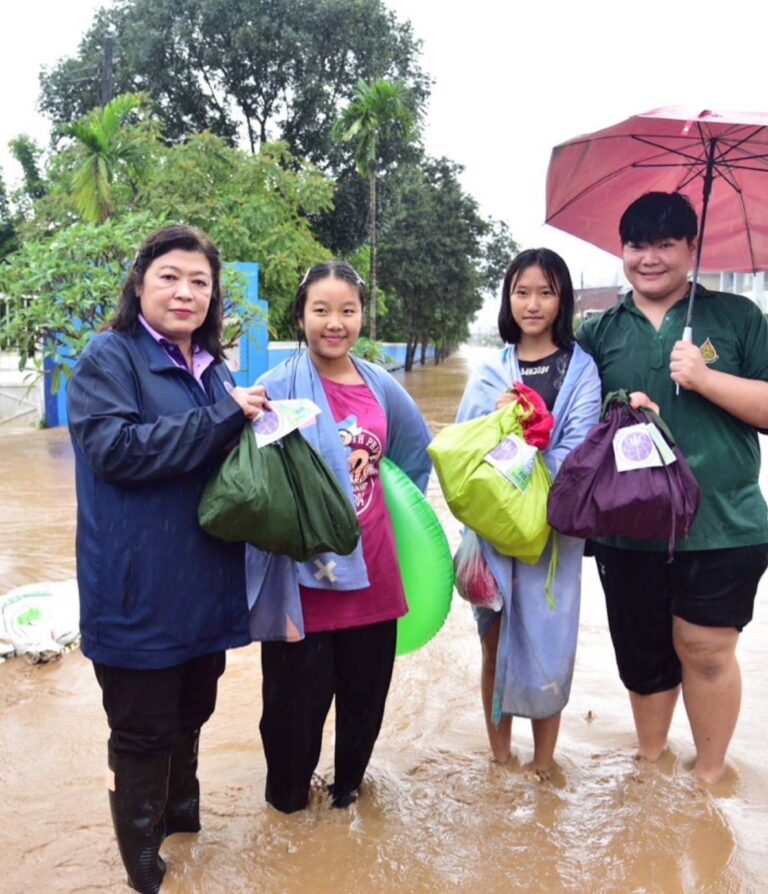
(515,460)
(666,452)
(638,447)
(284,417)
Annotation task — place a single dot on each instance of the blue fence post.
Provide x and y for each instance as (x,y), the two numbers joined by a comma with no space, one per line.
(248,359)
(55,404)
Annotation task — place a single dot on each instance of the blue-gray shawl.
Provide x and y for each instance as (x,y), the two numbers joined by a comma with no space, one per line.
(537,645)
(272,580)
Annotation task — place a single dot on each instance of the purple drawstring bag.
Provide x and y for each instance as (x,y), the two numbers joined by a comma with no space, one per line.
(591,497)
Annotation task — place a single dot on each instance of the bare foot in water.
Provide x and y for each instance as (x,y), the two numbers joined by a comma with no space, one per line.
(665,762)
(720,785)
(502,758)
(536,774)
(550,776)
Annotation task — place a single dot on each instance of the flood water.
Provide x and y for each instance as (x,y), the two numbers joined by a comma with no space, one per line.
(436,814)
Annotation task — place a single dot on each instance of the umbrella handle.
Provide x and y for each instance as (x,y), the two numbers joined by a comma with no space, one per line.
(687,336)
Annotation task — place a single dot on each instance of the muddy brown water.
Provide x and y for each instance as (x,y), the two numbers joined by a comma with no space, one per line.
(436,814)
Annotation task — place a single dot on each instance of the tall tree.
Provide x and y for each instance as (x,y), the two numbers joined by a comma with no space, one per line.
(251,71)
(257,69)
(8,240)
(28,154)
(107,146)
(377,108)
(255,208)
(434,256)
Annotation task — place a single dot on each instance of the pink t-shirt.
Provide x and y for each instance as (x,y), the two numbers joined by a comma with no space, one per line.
(362,426)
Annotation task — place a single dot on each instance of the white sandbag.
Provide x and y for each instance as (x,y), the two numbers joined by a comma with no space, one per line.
(39,620)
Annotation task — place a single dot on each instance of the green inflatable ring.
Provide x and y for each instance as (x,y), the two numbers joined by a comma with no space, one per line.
(425,560)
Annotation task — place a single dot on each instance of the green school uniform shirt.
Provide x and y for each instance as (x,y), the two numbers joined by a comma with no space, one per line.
(723,452)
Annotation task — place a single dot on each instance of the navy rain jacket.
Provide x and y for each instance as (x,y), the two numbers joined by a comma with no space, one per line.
(155,589)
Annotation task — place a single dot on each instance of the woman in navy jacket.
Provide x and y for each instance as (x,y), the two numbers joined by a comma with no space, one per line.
(152,411)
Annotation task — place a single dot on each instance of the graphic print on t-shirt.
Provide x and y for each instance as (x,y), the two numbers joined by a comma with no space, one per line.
(363,455)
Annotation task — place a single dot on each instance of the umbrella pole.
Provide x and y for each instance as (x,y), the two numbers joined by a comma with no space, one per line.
(709,177)
(706,192)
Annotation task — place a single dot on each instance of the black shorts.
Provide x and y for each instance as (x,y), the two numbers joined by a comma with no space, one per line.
(711,588)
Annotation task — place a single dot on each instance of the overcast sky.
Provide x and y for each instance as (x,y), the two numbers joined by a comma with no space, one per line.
(511,80)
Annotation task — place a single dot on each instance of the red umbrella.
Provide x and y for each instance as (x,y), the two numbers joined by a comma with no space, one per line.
(718,159)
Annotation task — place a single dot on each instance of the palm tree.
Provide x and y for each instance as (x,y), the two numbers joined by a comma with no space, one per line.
(106,147)
(376,108)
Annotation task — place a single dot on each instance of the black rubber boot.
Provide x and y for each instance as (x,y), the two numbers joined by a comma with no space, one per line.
(137,805)
(343,799)
(182,812)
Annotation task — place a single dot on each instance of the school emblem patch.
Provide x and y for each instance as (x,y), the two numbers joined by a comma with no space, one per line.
(708,352)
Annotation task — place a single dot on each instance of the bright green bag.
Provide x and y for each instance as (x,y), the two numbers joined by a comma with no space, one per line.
(282,498)
(495,483)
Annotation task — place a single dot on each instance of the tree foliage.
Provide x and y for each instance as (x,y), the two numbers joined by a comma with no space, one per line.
(28,154)
(8,237)
(272,76)
(251,71)
(261,69)
(433,257)
(58,293)
(254,207)
(378,109)
(65,279)
(62,289)
(105,148)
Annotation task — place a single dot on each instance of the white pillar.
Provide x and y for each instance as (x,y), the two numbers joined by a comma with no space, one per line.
(759,291)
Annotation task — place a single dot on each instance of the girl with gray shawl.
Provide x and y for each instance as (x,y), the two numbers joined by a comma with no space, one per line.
(528,648)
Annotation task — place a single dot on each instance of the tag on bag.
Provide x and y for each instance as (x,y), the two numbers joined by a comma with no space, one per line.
(283,418)
(641,446)
(515,460)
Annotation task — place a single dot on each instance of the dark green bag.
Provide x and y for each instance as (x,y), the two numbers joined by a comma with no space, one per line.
(282,498)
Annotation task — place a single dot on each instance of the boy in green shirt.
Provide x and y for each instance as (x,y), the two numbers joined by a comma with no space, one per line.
(677,624)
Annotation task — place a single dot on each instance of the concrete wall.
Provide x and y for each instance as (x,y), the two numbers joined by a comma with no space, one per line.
(21,391)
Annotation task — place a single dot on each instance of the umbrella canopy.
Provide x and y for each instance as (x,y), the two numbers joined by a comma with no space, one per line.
(719,160)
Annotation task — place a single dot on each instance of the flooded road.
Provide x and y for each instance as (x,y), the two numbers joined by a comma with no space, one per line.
(436,814)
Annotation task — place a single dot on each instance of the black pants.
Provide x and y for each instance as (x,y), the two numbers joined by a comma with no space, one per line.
(300,681)
(147,710)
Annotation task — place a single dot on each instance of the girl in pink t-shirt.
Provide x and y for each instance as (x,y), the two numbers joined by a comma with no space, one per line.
(348,650)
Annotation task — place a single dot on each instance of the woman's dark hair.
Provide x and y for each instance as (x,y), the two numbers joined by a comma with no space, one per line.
(656,216)
(556,272)
(336,269)
(157,244)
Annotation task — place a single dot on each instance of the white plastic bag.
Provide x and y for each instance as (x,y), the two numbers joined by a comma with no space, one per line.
(39,620)
(474,580)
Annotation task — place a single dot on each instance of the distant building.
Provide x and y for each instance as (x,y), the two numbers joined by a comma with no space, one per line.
(750,284)
(592,301)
